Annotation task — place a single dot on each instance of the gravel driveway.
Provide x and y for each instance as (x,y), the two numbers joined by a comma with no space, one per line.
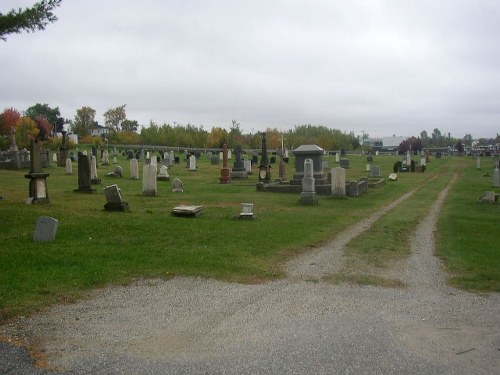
(293,326)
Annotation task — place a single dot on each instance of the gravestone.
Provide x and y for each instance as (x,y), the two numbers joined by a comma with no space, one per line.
(189,211)
(338,182)
(63,150)
(408,158)
(344,163)
(69,166)
(134,169)
(192,163)
(225,177)
(324,165)
(375,171)
(393,177)
(496,177)
(247,211)
(238,171)
(148,155)
(478,163)
(337,158)
(308,195)
(248,166)
(13,145)
(423,162)
(38,192)
(118,172)
(367,168)
(105,157)
(46,229)
(282,171)
(163,174)
(177,186)
(153,160)
(84,179)
(114,201)
(214,160)
(229,154)
(149,186)
(54,158)
(94,179)
(264,167)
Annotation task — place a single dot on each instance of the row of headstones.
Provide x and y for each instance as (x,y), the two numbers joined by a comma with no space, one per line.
(87,175)
(339,186)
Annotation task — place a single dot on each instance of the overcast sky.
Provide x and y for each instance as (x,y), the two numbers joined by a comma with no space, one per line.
(382,67)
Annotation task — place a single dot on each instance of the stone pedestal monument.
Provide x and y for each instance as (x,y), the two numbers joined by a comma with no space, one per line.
(238,171)
(308,195)
(264,167)
(38,180)
(225,177)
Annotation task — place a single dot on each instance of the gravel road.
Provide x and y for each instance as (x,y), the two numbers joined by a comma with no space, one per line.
(293,326)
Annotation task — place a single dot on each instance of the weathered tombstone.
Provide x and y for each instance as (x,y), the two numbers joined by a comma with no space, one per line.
(118,172)
(489,196)
(282,170)
(69,166)
(324,165)
(153,160)
(84,176)
(496,177)
(134,169)
(46,229)
(189,211)
(247,211)
(149,186)
(214,160)
(177,186)
(225,177)
(163,174)
(337,158)
(13,145)
(368,168)
(344,163)
(393,177)
(94,179)
(114,201)
(423,162)
(192,163)
(308,195)
(353,188)
(338,182)
(478,163)
(229,154)
(408,158)
(148,155)
(375,171)
(248,166)
(105,157)
(54,158)
(38,180)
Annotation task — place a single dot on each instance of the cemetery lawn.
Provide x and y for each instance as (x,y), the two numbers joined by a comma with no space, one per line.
(95,248)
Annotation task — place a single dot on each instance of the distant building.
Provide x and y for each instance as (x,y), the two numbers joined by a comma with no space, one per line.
(384,143)
(100,130)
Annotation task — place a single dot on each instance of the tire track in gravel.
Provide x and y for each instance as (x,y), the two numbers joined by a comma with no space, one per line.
(328,259)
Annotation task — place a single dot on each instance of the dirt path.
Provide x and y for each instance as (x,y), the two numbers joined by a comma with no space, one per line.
(188,325)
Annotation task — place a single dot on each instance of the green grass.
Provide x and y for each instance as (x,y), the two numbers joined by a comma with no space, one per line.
(468,234)
(95,248)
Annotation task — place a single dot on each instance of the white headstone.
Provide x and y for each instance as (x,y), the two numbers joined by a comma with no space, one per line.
(192,163)
(248,165)
(220,155)
(54,158)
(337,157)
(367,169)
(408,159)
(105,157)
(69,166)
(115,160)
(308,195)
(134,169)
(163,173)
(177,186)
(93,167)
(423,162)
(338,182)
(149,180)
(229,155)
(148,155)
(496,177)
(153,160)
